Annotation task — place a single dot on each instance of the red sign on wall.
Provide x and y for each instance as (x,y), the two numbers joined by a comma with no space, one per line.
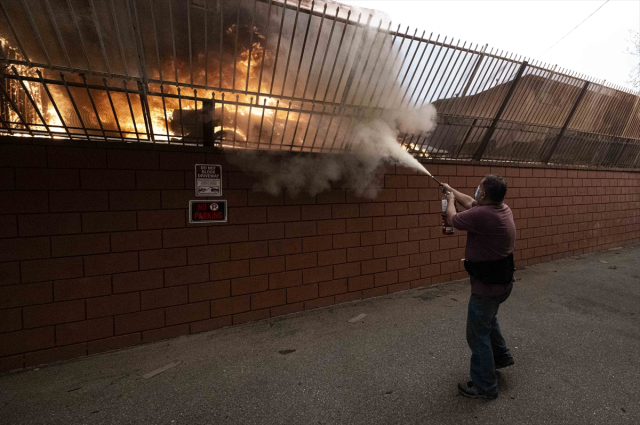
(207,211)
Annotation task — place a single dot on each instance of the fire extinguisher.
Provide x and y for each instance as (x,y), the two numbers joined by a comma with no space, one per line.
(447,228)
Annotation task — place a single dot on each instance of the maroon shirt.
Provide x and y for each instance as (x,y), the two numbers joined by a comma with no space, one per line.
(491,235)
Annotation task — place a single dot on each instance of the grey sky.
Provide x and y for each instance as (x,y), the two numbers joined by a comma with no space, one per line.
(597,48)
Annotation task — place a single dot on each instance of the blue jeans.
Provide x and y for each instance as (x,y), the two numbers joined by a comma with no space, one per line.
(485,340)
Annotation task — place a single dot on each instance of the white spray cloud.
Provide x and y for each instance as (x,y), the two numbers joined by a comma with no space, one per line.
(374,143)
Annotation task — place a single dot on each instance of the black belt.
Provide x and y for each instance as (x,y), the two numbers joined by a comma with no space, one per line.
(495,272)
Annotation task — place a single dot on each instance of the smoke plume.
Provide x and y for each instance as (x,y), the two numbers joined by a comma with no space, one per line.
(374,144)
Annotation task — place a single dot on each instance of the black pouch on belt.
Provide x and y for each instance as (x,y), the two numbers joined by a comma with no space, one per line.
(496,272)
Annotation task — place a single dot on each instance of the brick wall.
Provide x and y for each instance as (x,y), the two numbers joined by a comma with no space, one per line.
(96,252)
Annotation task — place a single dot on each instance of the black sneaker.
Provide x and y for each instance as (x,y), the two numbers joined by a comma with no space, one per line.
(471,390)
(503,364)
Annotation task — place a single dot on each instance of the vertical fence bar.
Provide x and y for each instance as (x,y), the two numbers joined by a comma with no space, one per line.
(33,103)
(335,61)
(235,53)
(75,107)
(16,109)
(275,64)
(189,37)
(492,128)
(366,64)
(95,110)
(264,52)
(133,117)
(221,4)
(53,102)
(113,109)
(375,65)
(547,156)
(15,35)
(293,36)
(173,45)
(253,21)
(155,39)
(104,51)
(75,21)
(34,28)
(146,113)
(58,34)
(182,118)
(302,51)
(119,37)
(313,55)
(344,66)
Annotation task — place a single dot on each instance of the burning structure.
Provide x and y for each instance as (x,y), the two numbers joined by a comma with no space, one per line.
(291,75)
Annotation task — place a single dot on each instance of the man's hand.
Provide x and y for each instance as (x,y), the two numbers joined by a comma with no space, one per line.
(451,197)
(464,200)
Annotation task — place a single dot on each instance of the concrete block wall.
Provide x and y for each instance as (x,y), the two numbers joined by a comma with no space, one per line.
(96,252)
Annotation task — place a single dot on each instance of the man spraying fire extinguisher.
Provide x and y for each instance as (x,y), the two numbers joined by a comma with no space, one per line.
(491,234)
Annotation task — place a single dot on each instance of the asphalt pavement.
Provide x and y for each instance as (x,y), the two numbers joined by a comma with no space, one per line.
(573,327)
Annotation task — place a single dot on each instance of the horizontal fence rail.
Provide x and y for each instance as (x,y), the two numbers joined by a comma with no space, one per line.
(292,75)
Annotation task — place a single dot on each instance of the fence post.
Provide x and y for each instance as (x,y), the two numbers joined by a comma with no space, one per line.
(475,69)
(492,128)
(547,156)
(207,123)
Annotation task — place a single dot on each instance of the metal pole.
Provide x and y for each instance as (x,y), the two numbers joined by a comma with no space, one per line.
(366,63)
(190,50)
(75,107)
(547,156)
(115,20)
(195,119)
(15,35)
(164,108)
(253,21)
(492,128)
(206,46)
(475,70)
(113,109)
(95,110)
(53,102)
(302,51)
(15,108)
(264,108)
(375,65)
(246,137)
(426,45)
(133,15)
(435,60)
(335,60)
(273,124)
(207,123)
(155,39)
(354,66)
(95,20)
(33,103)
(146,113)
(75,21)
(35,29)
(264,51)
(293,36)
(133,117)
(181,117)
(344,66)
(235,54)
(284,131)
(275,64)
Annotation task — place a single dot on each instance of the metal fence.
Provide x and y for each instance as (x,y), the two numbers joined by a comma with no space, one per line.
(265,74)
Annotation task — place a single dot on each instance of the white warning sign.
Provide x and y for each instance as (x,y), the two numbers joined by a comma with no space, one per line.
(208,180)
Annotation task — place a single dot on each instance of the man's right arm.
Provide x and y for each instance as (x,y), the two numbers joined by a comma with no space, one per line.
(464,200)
